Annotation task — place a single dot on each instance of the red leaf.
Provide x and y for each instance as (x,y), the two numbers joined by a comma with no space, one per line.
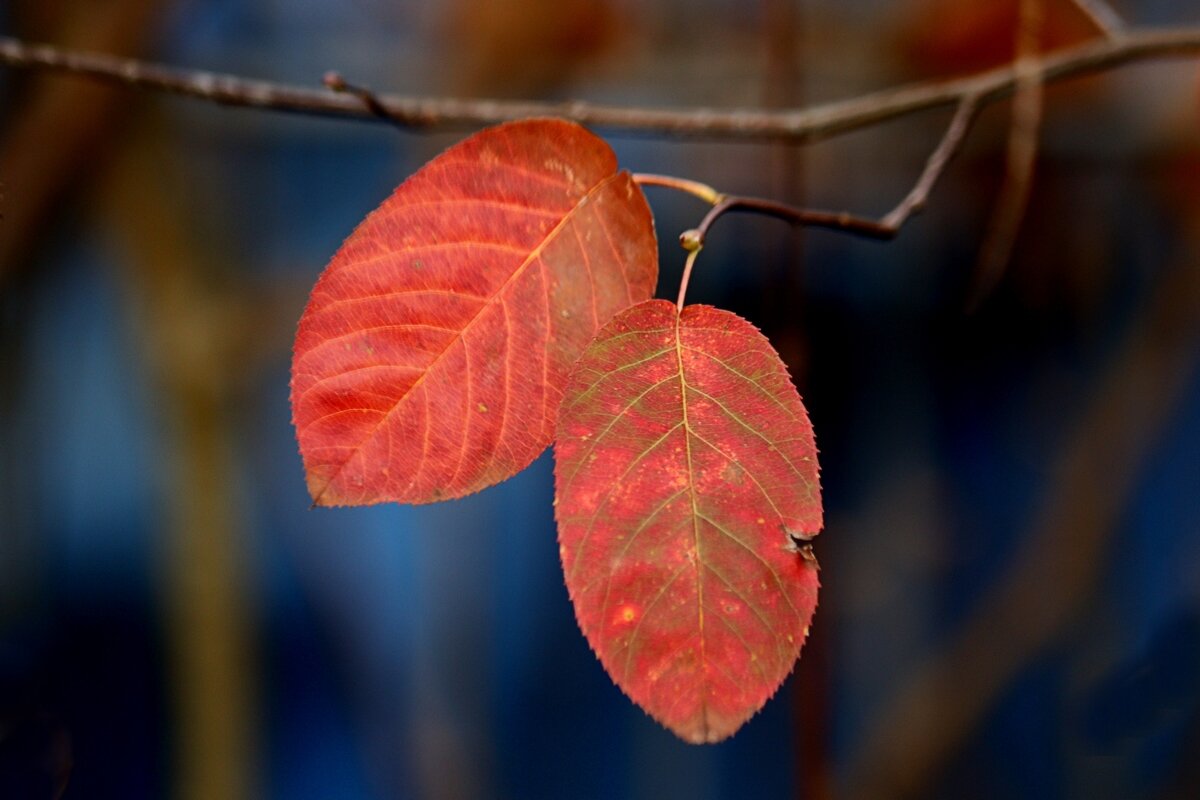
(685,471)
(431,358)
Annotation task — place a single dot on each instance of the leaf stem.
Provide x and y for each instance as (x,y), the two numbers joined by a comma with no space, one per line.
(695,188)
(687,275)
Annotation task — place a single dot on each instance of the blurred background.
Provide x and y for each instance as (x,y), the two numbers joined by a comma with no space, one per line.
(1011,462)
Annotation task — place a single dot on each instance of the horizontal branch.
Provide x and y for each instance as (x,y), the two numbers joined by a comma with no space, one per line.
(799,125)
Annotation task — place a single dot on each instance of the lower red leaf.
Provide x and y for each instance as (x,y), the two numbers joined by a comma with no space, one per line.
(686,485)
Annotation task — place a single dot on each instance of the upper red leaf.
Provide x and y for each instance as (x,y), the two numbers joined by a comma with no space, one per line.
(685,475)
(431,357)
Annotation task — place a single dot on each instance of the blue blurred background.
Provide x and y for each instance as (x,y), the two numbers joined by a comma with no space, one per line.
(1011,561)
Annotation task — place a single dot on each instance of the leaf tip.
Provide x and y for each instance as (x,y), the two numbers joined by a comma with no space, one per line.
(711,726)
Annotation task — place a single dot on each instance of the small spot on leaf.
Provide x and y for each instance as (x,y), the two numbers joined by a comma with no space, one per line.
(626,614)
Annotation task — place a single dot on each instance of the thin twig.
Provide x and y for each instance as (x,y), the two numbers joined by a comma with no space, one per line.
(1103,16)
(811,124)
(956,132)
(335,82)
(884,228)
(808,217)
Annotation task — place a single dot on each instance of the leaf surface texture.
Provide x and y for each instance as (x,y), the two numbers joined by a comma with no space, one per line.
(431,358)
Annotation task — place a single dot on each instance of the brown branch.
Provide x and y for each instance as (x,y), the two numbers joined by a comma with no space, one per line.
(956,132)
(884,228)
(811,124)
(836,220)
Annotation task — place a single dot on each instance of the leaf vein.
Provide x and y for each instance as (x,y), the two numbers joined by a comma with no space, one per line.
(582,460)
(613,487)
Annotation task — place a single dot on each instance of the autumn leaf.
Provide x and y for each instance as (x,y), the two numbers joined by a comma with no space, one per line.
(431,358)
(686,488)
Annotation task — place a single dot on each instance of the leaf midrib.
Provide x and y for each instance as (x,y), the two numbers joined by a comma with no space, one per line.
(687,446)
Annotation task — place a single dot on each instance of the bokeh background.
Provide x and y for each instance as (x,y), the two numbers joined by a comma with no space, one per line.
(1011,558)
